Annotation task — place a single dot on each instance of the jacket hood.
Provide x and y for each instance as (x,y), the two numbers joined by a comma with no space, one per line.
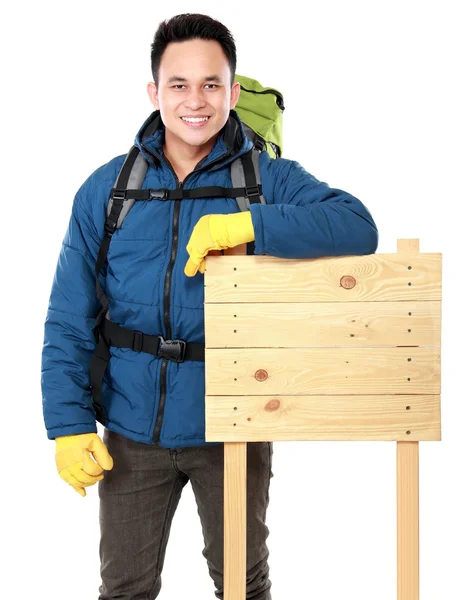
(231,141)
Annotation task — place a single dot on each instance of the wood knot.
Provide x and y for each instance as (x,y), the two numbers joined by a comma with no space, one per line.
(261,375)
(272,405)
(347,282)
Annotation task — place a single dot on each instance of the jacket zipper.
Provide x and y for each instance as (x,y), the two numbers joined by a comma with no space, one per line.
(166,309)
(166,297)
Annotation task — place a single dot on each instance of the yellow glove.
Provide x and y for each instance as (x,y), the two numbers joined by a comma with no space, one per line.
(74,463)
(217,232)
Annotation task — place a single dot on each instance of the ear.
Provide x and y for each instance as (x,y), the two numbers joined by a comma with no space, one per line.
(153,95)
(234,95)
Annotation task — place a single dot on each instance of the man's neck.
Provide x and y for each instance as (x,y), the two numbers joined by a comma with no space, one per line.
(183,157)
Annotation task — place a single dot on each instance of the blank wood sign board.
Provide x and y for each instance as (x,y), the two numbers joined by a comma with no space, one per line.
(331,348)
(297,348)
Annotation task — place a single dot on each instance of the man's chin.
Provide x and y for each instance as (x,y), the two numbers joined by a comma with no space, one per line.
(196,138)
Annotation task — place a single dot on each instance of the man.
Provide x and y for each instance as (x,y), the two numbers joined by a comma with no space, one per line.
(152,407)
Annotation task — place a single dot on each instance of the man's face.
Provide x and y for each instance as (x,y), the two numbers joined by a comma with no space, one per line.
(194,61)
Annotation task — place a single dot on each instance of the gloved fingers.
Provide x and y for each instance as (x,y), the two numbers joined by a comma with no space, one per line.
(74,463)
(82,477)
(196,253)
(191,268)
(73,482)
(75,455)
(67,476)
(217,232)
(100,453)
(201,241)
(90,466)
(68,456)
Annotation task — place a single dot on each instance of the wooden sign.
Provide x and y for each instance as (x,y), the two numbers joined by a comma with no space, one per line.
(333,348)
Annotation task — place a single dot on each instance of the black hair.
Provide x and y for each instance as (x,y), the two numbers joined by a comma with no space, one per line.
(189,26)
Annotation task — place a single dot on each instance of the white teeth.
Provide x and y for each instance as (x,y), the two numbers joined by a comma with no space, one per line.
(192,120)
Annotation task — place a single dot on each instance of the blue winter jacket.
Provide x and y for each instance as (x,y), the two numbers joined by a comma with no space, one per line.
(303,218)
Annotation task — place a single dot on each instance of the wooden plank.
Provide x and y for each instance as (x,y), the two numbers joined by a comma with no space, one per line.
(271,325)
(235,531)
(407,498)
(356,417)
(407,481)
(376,277)
(267,371)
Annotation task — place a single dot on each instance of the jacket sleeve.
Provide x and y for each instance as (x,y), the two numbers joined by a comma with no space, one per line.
(307,218)
(68,337)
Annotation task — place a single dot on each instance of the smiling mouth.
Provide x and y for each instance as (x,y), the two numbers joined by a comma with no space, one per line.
(196,124)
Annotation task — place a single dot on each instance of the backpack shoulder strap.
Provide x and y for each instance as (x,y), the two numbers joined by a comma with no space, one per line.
(132,172)
(131,176)
(245,172)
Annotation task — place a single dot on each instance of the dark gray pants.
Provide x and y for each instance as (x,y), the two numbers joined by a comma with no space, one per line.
(138,499)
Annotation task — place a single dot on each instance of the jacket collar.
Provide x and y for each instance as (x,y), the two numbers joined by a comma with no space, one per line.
(231,141)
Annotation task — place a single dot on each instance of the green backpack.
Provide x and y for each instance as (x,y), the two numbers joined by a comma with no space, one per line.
(261,109)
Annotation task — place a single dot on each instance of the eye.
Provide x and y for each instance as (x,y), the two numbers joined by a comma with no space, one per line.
(178,85)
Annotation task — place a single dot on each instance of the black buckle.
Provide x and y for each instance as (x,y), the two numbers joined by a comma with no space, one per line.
(172,349)
(159,194)
(118,194)
(259,143)
(137,341)
(252,190)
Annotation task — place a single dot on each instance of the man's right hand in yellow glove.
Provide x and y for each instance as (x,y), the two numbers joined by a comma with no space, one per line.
(74,463)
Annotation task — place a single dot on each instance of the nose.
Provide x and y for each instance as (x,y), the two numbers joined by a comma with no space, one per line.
(195,99)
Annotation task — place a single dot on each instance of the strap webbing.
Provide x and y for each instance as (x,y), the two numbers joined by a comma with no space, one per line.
(254,197)
(122,337)
(111,225)
(97,369)
(187,194)
(101,355)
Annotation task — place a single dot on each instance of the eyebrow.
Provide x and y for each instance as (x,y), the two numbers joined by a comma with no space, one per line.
(184,80)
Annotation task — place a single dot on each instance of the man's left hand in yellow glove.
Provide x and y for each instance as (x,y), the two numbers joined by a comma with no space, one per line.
(217,232)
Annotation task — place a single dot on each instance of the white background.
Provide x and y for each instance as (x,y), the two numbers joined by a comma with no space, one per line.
(375,105)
